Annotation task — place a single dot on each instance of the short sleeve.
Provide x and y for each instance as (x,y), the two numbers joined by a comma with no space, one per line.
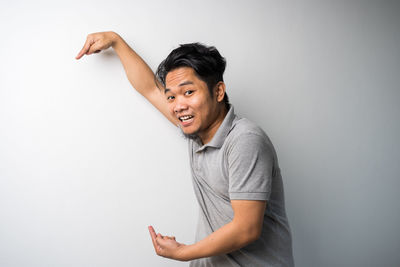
(250,167)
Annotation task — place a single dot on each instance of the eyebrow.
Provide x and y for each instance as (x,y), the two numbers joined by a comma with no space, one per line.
(185,83)
(166,90)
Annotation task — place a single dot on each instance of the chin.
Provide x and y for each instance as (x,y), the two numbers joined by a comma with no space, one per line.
(189,134)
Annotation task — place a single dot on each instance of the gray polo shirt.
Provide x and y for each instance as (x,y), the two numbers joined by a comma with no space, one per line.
(240,163)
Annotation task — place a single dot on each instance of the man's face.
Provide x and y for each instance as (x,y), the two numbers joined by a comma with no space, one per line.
(190,102)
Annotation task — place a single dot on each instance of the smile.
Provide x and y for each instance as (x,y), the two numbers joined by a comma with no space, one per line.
(185,118)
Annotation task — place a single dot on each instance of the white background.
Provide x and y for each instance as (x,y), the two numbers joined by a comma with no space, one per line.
(86,164)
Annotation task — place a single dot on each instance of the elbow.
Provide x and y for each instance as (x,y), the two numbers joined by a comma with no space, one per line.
(254,234)
(250,234)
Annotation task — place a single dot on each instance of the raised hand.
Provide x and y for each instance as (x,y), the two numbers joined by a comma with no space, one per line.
(166,246)
(95,42)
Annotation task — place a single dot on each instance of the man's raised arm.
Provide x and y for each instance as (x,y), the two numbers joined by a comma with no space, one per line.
(138,72)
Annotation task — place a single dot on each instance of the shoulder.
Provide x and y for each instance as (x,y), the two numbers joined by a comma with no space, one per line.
(245,135)
(243,127)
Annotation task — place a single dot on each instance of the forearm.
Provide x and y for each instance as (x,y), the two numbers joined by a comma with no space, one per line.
(245,228)
(228,238)
(138,72)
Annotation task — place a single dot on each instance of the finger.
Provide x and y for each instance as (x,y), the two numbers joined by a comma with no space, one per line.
(160,236)
(166,242)
(85,48)
(152,232)
(153,237)
(94,48)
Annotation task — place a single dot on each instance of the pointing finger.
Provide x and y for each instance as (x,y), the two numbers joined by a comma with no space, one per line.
(156,245)
(85,48)
(153,235)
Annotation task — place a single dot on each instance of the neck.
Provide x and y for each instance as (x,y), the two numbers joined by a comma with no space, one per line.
(209,133)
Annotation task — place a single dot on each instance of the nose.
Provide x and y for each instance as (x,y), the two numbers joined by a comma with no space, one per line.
(180,105)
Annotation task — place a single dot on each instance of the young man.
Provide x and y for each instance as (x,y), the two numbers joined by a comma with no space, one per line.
(236,177)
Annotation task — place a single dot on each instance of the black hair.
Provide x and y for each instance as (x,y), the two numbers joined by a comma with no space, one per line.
(206,61)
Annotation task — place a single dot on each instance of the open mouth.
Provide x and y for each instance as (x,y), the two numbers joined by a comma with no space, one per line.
(185,118)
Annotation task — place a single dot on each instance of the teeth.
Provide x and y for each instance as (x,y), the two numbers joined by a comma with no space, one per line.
(185,118)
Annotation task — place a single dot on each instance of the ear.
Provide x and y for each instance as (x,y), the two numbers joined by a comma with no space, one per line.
(220,91)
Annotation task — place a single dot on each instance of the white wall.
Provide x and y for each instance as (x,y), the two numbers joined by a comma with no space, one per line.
(86,164)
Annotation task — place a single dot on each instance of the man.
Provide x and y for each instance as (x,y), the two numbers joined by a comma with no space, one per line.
(236,177)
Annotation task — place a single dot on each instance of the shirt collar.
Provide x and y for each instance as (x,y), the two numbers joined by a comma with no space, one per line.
(223,130)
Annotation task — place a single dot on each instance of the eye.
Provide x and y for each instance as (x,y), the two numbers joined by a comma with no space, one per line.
(188,92)
(170,97)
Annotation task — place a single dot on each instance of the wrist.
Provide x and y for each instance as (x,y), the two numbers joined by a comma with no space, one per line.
(184,253)
(115,38)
